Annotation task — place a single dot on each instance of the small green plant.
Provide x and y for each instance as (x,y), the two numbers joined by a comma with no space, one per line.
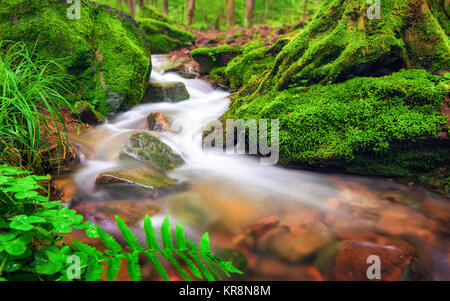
(34,241)
(31,97)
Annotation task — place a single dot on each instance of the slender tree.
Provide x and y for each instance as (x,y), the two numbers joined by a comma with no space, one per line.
(132,6)
(141,4)
(190,12)
(249,10)
(231,13)
(166,7)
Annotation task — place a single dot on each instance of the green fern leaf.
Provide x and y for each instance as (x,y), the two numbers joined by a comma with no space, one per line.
(109,241)
(208,275)
(166,234)
(113,270)
(226,266)
(150,234)
(129,236)
(157,265)
(89,250)
(133,267)
(168,255)
(191,265)
(94,270)
(204,243)
(180,239)
(211,265)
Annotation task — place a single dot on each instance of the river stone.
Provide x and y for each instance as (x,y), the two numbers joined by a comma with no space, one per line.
(297,243)
(140,178)
(158,122)
(162,92)
(145,147)
(114,100)
(351,261)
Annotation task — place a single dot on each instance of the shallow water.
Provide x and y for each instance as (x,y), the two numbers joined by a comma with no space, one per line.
(289,224)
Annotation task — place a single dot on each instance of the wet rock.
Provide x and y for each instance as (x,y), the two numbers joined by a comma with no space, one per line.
(191,207)
(158,122)
(351,261)
(295,244)
(272,270)
(210,58)
(141,178)
(145,147)
(114,100)
(131,211)
(162,92)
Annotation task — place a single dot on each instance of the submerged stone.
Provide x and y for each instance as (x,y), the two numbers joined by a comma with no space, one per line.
(158,122)
(145,147)
(161,92)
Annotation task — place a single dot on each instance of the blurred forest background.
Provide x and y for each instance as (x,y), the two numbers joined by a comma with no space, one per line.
(226,14)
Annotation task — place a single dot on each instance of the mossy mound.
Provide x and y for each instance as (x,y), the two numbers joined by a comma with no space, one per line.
(104,50)
(149,12)
(342,42)
(375,126)
(163,36)
(236,67)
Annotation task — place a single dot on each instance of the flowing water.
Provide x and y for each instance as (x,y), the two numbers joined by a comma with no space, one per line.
(275,223)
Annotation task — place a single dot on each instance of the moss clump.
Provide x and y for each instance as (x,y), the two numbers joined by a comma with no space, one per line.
(149,12)
(214,57)
(342,42)
(105,50)
(164,37)
(322,124)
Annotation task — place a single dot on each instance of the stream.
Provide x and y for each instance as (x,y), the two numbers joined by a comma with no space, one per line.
(272,222)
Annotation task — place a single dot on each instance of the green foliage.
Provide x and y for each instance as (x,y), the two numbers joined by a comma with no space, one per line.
(33,240)
(32,94)
(320,123)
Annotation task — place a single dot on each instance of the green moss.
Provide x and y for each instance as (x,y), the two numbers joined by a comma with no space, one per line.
(320,124)
(122,63)
(150,12)
(247,63)
(342,42)
(164,37)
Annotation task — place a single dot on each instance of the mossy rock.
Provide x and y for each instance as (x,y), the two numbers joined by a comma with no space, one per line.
(104,50)
(141,178)
(215,57)
(146,147)
(163,36)
(161,92)
(378,126)
(341,42)
(149,12)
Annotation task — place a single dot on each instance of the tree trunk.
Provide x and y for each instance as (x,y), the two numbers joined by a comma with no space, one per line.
(305,8)
(132,6)
(141,4)
(249,9)
(166,7)
(190,12)
(231,14)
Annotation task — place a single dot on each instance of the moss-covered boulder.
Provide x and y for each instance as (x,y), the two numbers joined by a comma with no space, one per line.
(104,50)
(342,42)
(146,147)
(163,36)
(161,92)
(248,63)
(149,12)
(214,57)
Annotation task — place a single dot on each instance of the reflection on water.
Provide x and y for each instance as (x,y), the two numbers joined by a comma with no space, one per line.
(277,224)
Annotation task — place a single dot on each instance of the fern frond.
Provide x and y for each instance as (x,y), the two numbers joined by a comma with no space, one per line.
(129,236)
(204,243)
(113,270)
(191,265)
(180,239)
(154,260)
(133,267)
(151,239)
(166,234)
(168,255)
(208,275)
(94,270)
(109,241)
(87,249)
